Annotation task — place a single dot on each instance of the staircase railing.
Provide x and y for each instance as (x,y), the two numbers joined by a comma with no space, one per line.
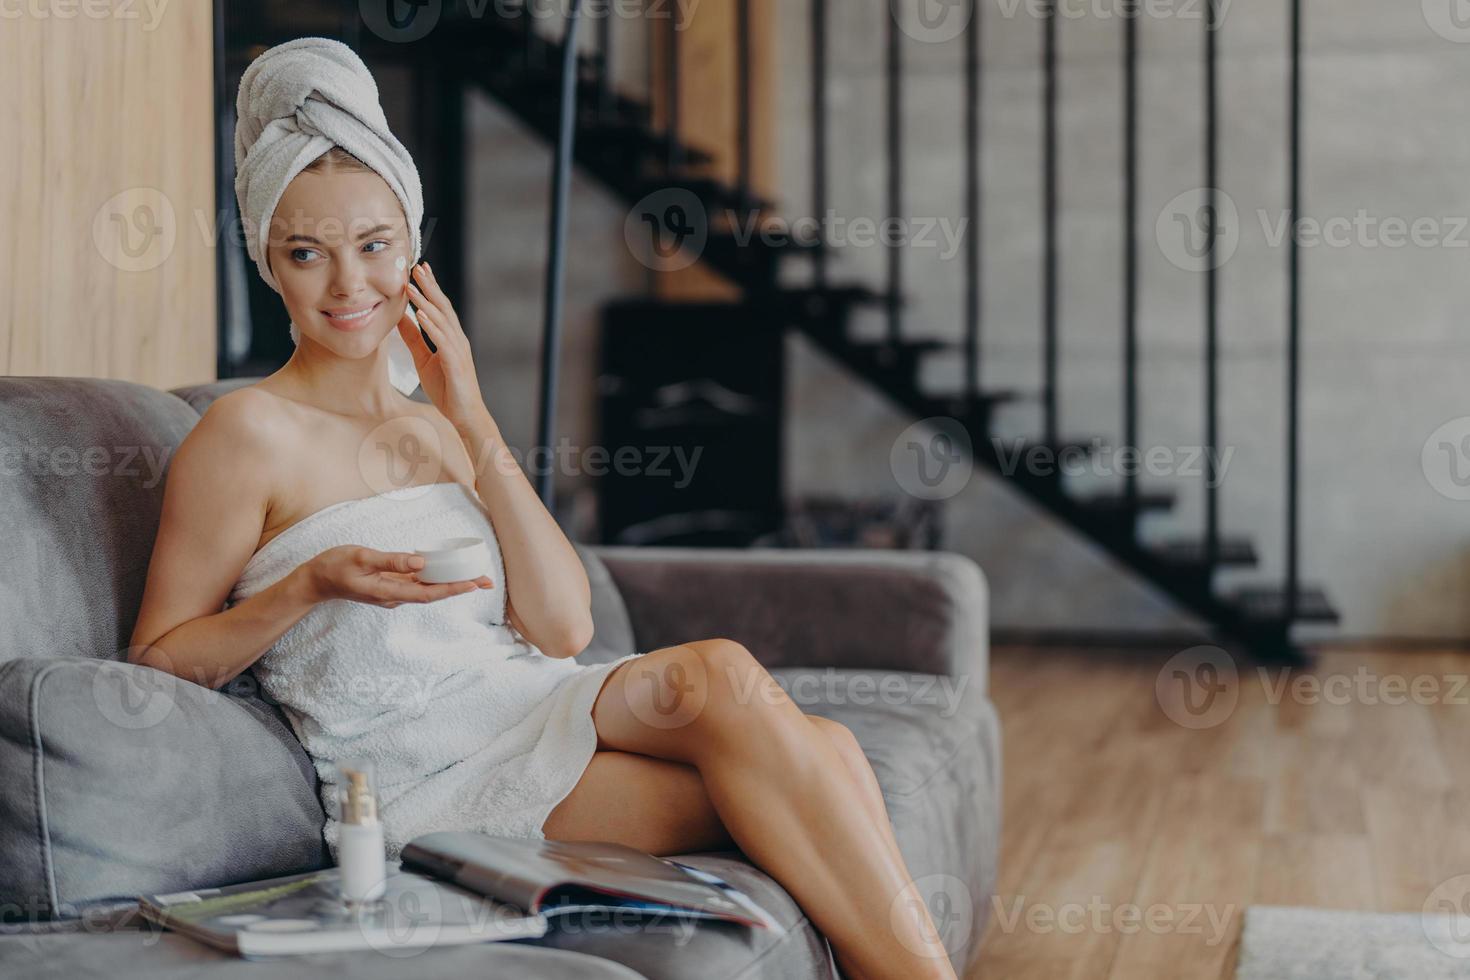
(1187,569)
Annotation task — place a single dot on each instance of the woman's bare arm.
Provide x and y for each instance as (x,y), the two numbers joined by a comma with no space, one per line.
(214,506)
(543,575)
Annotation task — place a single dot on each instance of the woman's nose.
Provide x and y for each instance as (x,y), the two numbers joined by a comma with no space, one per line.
(348,278)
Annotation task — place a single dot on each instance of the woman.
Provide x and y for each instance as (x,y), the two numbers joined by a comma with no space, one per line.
(296,503)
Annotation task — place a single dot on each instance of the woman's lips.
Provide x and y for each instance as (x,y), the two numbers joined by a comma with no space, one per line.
(353,322)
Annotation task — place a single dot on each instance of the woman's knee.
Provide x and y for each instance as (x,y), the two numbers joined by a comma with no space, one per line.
(741,697)
(697,686)
(844,741)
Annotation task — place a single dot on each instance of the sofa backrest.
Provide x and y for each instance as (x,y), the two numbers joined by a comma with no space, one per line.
(82,464)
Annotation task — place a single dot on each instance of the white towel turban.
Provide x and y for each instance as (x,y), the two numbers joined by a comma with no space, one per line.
(297,101)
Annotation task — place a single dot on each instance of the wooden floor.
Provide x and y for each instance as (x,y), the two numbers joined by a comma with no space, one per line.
(1133,844)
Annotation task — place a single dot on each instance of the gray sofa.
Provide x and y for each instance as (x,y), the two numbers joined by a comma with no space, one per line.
(118,779)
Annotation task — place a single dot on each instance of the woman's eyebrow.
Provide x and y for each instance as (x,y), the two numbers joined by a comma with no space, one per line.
(317,241)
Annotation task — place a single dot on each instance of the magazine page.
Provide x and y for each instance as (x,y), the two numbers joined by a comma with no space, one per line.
(304,913)
(540,875)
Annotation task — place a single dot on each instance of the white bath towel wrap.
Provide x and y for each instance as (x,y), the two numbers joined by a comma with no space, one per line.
(471,726)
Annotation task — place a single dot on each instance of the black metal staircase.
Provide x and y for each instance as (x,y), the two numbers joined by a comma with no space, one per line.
(513,57)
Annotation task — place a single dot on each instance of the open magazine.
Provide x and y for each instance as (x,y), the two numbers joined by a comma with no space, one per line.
(550,878)
(304,913)
(451,888)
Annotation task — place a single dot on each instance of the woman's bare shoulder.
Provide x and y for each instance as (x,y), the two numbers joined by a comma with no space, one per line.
(247,434)
(251,414)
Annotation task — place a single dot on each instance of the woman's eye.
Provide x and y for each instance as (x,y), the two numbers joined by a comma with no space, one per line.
(378,242)
(296,254)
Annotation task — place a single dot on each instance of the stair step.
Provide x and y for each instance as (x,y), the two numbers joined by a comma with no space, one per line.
(1190,552)
(824,312)
(958,406)
(816,301)
(1114,503)
(1267,603)
(907,352)
(719,200)
(725,195)
(628,139)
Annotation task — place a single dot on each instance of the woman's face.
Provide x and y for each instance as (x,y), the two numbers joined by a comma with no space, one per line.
(339,245)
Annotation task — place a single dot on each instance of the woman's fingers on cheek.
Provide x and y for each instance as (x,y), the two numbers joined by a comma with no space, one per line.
(431,285)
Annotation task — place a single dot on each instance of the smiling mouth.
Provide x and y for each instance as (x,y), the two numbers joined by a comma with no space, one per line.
(352,318)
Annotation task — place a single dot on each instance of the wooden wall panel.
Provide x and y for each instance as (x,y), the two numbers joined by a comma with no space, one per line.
(107,205)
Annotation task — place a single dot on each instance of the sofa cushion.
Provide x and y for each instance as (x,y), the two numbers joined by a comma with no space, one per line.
(82,466)
(121,779)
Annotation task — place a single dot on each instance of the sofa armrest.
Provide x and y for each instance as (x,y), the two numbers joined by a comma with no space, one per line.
(920,611)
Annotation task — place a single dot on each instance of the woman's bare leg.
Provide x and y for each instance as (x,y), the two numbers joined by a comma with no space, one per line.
(867,782)
(862,773)
(662,807)
(652,804)
(785,796)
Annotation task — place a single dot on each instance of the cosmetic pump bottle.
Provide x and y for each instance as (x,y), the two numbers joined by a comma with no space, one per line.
(361,859)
